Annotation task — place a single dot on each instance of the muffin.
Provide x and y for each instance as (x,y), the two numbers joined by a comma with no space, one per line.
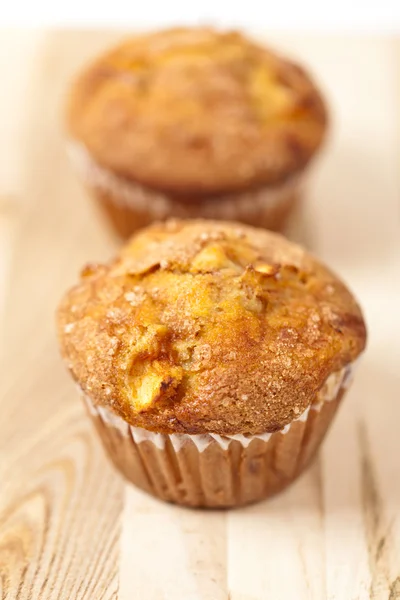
(194,123)
(212,357)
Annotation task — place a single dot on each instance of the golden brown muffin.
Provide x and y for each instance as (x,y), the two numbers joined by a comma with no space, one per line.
(205,328)
(194,122)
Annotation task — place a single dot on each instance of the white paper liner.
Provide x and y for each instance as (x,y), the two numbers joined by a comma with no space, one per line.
(329,391)
(160,206)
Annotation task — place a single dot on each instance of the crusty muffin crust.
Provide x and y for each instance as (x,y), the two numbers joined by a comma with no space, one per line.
(203,326)
(197,111)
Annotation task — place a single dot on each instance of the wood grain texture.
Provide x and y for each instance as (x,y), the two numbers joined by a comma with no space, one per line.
(69,527)
(60,503)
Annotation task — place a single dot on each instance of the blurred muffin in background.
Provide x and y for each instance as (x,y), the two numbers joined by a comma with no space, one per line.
(194,123)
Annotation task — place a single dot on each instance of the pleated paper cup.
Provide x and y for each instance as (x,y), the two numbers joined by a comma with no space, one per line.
(130,206)
(216,471)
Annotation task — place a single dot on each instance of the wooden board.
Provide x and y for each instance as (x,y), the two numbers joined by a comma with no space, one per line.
(69,527)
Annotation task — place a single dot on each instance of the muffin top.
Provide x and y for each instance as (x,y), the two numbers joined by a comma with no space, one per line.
(203,326)
(196,111)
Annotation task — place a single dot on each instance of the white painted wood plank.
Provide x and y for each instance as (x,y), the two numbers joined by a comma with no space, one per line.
(275,549)
(360,458)
(171,553)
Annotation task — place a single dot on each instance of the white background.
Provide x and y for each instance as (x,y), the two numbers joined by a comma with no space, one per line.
(311,15)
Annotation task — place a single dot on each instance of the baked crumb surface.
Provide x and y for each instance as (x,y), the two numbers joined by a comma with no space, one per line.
(195,111)
(205,326)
